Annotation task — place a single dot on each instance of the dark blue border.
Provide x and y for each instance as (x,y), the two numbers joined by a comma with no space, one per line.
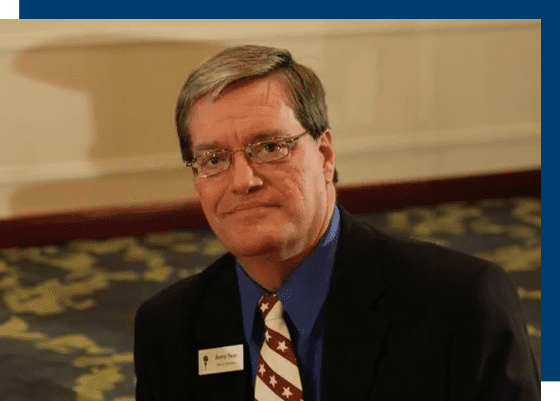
(143,9)
(550,270)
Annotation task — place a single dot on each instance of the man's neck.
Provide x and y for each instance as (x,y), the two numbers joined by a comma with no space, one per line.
(269,271)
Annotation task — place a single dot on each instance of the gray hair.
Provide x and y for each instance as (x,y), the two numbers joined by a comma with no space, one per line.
(237,64)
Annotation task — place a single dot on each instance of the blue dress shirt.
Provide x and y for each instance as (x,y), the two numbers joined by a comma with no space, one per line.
(303,295)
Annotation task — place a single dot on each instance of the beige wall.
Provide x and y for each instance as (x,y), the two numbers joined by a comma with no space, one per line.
(86,107)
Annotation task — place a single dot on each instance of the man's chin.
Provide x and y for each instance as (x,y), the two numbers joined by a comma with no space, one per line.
(253,243)
(257,234)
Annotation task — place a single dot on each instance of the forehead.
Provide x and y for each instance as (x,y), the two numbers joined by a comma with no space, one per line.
(255,109)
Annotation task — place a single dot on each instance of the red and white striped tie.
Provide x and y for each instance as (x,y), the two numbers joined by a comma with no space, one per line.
(277,371)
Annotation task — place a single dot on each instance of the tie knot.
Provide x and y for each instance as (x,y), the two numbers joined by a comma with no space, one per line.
(271,307)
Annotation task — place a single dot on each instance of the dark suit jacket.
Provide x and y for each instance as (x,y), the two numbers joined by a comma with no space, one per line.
(406,320)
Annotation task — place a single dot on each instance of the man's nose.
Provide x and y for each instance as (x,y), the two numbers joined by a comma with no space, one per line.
(244,177)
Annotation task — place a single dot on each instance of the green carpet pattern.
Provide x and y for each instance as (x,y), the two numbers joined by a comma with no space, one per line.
(67,311)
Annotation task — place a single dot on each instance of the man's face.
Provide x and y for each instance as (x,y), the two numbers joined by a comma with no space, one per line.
(286,204)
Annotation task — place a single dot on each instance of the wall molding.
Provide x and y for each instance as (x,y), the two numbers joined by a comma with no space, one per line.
(33,174)
(346,147)
(78,33)
(479,136)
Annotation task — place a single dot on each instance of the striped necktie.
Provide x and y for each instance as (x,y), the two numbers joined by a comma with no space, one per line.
(277,371)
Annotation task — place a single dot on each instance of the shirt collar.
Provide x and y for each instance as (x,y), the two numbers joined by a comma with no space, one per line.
(304,292)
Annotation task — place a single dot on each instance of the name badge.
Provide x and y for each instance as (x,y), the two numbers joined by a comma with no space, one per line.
(221,359)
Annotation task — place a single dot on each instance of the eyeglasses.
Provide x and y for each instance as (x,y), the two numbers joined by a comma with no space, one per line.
(217,161)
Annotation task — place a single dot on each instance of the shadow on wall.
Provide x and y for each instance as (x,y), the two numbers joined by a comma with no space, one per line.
(132,87)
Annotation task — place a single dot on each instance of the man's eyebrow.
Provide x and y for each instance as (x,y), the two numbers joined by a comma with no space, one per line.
(250,139)
(267,135)
(207,146)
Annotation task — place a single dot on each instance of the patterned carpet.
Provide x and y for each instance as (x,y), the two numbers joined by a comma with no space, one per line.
(66,316)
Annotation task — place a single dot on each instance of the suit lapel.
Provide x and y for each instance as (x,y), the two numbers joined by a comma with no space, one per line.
(354,333)
(220,325)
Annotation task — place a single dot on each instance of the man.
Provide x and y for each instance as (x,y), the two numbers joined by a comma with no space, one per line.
(358,315)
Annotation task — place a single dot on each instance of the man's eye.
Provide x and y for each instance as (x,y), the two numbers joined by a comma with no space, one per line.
(211,161)
(271,147)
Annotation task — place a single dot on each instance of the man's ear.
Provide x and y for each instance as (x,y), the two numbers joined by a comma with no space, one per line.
(326,147)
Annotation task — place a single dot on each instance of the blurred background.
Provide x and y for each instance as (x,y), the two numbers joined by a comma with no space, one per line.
(437,127)
(86,107)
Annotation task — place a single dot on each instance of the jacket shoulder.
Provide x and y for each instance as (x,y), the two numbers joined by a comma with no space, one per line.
(185,296)
(409,255)
(416,273)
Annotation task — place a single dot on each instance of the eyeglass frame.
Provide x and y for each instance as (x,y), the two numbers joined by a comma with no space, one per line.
(290,141)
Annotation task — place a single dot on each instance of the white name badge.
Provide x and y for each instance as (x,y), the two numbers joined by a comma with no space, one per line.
(221,359)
